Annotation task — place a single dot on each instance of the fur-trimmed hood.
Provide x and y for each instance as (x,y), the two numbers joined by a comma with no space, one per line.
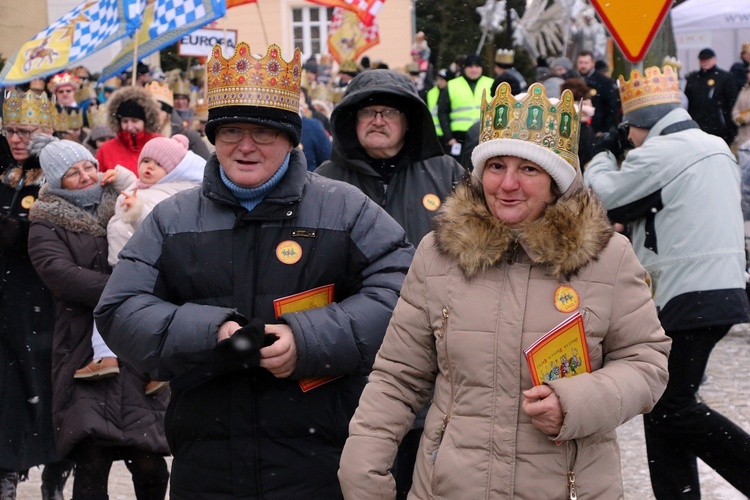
(571,233)
(142,98)
(68,216)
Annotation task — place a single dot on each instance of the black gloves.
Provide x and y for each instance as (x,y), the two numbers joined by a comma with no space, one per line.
(609,141)
(243,347)
(9,231)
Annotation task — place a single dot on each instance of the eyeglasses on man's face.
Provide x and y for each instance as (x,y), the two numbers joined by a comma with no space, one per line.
(74,173)
(23,134)
(369,114)
(233,135)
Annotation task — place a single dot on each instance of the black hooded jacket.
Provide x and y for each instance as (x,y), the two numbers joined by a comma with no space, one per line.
(422,175)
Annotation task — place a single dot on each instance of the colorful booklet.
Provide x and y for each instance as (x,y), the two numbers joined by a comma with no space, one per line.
(310,299)
(561,352)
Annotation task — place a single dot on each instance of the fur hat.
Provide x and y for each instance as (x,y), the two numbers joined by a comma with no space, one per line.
(167,152)
(56,157)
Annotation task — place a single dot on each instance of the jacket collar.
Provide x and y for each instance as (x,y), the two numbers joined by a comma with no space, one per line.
(571,233)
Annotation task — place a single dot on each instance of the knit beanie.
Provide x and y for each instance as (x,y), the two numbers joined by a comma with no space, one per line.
(167,152)
(56,157)
(131,109)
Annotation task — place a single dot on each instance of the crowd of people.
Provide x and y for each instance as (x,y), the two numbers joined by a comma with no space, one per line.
(329,293)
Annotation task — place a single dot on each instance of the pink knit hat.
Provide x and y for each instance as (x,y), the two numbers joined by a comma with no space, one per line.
(168,152)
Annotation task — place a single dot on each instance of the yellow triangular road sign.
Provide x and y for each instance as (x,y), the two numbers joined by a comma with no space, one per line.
(633,24)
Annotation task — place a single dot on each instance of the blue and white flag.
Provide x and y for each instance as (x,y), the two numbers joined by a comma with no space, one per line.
(89,27)
(165,22)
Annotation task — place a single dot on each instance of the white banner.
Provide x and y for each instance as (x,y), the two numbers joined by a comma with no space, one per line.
(200,42)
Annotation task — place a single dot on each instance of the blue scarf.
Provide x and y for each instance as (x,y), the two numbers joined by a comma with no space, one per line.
(251,197)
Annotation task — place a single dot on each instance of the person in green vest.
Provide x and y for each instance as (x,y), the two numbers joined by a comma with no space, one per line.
(441,82)
(458,107)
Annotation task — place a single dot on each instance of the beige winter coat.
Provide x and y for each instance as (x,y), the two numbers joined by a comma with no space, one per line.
(472,301)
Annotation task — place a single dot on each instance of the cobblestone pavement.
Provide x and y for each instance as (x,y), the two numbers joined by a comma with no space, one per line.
(727,390)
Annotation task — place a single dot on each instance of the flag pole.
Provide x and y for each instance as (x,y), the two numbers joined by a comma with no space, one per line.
(135,56)
(262,24)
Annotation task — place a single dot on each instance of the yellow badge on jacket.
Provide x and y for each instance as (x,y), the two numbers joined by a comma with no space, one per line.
(27,201)
(289,252)
(566,299)
(431,202)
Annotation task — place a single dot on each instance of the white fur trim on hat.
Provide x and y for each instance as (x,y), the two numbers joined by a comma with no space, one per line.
(561,171)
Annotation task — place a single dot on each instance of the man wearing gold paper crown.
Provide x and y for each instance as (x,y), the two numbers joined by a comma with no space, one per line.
(514,253)
(26,309)
(262,296)
(680,190)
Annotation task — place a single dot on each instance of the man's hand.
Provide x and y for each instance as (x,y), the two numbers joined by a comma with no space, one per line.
(226,330)
(542,405)
(609,141)
(280,358)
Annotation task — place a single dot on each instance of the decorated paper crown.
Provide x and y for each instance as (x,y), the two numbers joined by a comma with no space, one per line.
(746,47)
(180,87)
(85,92)
(201,110)
(673,62)
(29,109)
(112,83)
(536,128)
(161,93)
(349,66)
(505,56)
(61,79)
(245,80)
(652,89)
(96,115)
(67,118)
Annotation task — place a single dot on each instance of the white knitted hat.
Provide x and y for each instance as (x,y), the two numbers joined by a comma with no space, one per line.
(57,156)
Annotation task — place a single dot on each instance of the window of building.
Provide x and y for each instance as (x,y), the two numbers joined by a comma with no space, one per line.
(310,29)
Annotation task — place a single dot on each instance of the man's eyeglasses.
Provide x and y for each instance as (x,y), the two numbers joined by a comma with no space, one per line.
(233,135)
(24,135)
(74,173)
(368,114)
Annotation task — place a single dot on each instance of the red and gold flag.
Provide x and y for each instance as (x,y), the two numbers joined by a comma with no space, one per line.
(348,37)
(366,10)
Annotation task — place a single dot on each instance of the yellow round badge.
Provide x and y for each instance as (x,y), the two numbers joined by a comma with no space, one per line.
(711,83)
(289,252)
(27,201)
(566,299)
(431,202)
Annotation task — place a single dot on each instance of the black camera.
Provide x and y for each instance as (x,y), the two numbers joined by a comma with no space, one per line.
(623,130)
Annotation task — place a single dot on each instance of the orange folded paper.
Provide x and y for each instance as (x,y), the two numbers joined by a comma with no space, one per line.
(310,299)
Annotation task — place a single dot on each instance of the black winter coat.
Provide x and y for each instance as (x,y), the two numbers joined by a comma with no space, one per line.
(200,259)
(68,247)
(423,176)
(26,324)
(711,95)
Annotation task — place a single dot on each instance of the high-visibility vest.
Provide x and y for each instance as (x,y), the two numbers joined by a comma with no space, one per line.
(432,105)
(465,105)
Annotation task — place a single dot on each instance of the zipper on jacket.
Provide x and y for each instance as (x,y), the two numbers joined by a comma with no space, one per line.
(447,417)
(571,454)
(513,252)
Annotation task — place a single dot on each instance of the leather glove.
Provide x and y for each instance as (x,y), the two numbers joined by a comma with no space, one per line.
(244,346)
(609,141)
(9,231)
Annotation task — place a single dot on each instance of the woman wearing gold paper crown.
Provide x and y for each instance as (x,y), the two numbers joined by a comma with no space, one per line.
(516,252)
(262,296)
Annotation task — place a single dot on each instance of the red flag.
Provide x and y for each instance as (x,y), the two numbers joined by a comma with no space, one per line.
(366,10)
(348,37)
(235,3)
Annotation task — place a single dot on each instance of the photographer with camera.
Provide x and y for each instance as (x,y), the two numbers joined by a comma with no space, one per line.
(680,191)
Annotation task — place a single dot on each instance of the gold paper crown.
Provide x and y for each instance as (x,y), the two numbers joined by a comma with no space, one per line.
(201,110)
(96,115)
(746,47)
(245,80)
(672,61)
(64,78)
(534,119)
(505,56)
(160,92)
(29,109)
(85,92)
(67,118)
(113,83)
(349,66)
(180,87)
(654,88)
